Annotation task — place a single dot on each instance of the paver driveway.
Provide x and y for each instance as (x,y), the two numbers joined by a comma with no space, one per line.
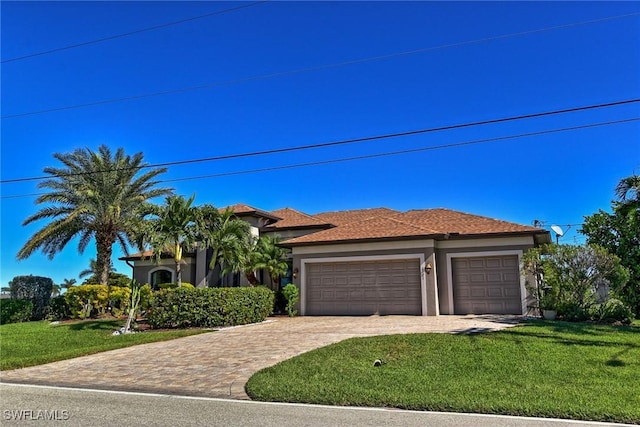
(218,364)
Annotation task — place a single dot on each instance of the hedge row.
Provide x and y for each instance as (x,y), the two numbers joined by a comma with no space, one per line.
(209,307)
(15,310)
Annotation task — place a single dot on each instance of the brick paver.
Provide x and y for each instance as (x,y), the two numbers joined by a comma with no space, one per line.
(218,364)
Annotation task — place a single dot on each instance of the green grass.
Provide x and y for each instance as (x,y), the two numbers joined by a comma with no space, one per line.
(545,369)
(36,343)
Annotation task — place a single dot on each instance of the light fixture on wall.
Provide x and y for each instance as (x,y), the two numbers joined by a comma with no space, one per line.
(427,268)
(295,273)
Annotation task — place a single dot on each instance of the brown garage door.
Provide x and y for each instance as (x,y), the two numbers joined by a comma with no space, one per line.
(486,285)
(363,287)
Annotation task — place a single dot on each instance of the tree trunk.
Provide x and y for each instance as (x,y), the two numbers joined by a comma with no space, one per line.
(103,257)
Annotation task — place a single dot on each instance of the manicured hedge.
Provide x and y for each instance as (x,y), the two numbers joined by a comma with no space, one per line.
(15,310)
(209,307)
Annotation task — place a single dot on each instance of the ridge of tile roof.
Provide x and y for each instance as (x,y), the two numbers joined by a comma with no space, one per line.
(414,224)
(344,217)
(241,208)
(292,218)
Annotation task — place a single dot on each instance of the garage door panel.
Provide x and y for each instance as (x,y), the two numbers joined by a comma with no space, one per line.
(382,287)
(486,285)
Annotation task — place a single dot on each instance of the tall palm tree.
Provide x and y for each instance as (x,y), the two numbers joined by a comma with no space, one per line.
(173,228)
(94,195)
(228,236)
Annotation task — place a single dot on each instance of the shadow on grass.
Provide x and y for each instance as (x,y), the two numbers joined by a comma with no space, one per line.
(110,325)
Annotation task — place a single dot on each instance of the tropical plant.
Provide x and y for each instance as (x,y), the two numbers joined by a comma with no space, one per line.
(573,280)
(228,236)
(92,271)
(173,228)
(619,233)
(67,283)
(55,290)
(271,257)
(94,195)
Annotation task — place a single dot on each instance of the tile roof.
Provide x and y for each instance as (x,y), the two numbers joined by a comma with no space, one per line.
(385,223)
(344,217)
(242,209)
(292,218)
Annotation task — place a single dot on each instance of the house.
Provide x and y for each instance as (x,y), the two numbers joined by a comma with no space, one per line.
(383,261)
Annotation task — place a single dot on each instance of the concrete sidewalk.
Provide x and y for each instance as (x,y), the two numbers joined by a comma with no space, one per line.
(218,364)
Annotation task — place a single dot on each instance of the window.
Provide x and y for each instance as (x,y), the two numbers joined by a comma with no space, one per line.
(158,277)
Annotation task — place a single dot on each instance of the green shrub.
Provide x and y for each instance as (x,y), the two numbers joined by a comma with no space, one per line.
(291,294)
(613,310)
(58,309)
(15,310)
(209,307)
(94,300)
(174,285)
(37,289)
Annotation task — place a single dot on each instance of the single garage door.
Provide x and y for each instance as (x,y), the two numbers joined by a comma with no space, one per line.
(363,287)
(483,285)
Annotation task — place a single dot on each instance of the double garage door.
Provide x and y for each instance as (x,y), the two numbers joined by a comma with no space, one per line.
(486,285)
(364,287)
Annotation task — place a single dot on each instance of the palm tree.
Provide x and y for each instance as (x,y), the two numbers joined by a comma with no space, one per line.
(628,193)
(67,283)
(228,236)
(92,271)
(271,257)
(173,228)
(94,195)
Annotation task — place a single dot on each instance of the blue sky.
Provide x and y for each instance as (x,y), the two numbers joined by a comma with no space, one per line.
(462,72)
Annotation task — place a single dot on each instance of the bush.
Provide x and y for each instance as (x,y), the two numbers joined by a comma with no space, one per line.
(291,294)
(94,300)
(15,310)
(37,289)
(174,285)
(58,309)
(612,311)
(209,307)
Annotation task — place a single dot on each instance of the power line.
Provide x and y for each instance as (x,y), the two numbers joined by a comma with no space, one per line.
(353,140)
(308,69)
(409,151)
(386,154)
(130,33)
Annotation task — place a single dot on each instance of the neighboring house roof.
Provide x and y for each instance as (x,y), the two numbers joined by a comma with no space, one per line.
(291,218)
(389,224)
(241,209)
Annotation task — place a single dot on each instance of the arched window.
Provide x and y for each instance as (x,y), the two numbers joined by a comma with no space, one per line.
(160,275)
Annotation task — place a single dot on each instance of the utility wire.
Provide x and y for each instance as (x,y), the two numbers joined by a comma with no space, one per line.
(386,154)
(351,141)
(308,69)
(130,33)
(409,151)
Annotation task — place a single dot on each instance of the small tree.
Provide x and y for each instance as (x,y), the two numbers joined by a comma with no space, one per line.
(36,289)
(619,233)
(578,277)
(271,257)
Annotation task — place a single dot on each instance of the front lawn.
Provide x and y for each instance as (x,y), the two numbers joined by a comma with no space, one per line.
(35,343)
(544,369)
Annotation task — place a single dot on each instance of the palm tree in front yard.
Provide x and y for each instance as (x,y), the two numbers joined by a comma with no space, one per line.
(228,236)
(270,256)
(94,195)
(173,228)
